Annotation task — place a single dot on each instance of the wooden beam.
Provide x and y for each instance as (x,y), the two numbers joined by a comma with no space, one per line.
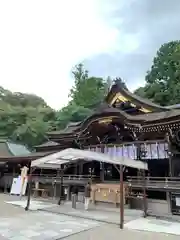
(119,171)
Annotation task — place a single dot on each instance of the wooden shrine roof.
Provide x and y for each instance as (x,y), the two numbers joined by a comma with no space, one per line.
(141,119)
(47,144)
(109,112)
(152,113)
(135,99)
(71,127)
(12,149)
(20,158)
(158,116)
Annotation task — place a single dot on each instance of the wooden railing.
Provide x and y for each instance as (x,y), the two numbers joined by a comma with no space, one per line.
(158,183)
(51,178)
(56,177)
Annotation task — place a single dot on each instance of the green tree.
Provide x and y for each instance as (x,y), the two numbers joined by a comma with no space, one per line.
(21,99)
(163,80)
(71,113)
(24,117)
(87,91)
(85,96)
(32,132)
(141,92)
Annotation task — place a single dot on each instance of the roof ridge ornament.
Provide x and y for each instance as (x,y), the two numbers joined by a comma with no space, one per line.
(118,81)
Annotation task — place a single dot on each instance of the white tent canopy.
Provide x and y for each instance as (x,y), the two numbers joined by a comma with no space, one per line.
(70,155)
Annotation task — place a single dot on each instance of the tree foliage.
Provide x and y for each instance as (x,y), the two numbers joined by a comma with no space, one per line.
(85,95)
(87,91)
(21,99)
(24,117)
(71,113)
(163,80)
(27,117)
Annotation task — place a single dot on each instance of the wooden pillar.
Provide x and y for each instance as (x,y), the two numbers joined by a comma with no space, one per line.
(171,167)
(76,169)
(61,185)
(121,198)
(68,193)
(170,155)
(37,185)
(144,194)
(102,172)
(14,171)
(168,201)
(171,162)
(81,168)
(29,189)
(102,165)
(54,186)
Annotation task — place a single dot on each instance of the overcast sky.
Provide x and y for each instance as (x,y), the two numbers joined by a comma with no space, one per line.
(41,40)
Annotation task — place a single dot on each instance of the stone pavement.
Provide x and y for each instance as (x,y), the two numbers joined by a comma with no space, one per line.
(8,210)
(81,225)
(154,225)
(16,223)
(108,231)
(35,205)
(41,225)
(106,215)
(97,212)
(133,218)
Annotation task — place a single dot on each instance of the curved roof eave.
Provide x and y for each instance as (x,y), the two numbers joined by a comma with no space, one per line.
(175,106)
(106,111)
(118,88)
(136,120)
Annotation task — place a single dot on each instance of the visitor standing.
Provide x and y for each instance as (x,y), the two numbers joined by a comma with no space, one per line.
(65,193)
(87,196)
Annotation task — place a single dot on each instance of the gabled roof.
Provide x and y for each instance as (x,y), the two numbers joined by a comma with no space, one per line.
(47,144)
(158,116)
(118,88)
(73,124)
(175,106)
(10,149)
(148,118)
(71,127)
(30,157)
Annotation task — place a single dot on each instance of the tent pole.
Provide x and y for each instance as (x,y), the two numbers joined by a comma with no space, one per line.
(29,189)
(121,198)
